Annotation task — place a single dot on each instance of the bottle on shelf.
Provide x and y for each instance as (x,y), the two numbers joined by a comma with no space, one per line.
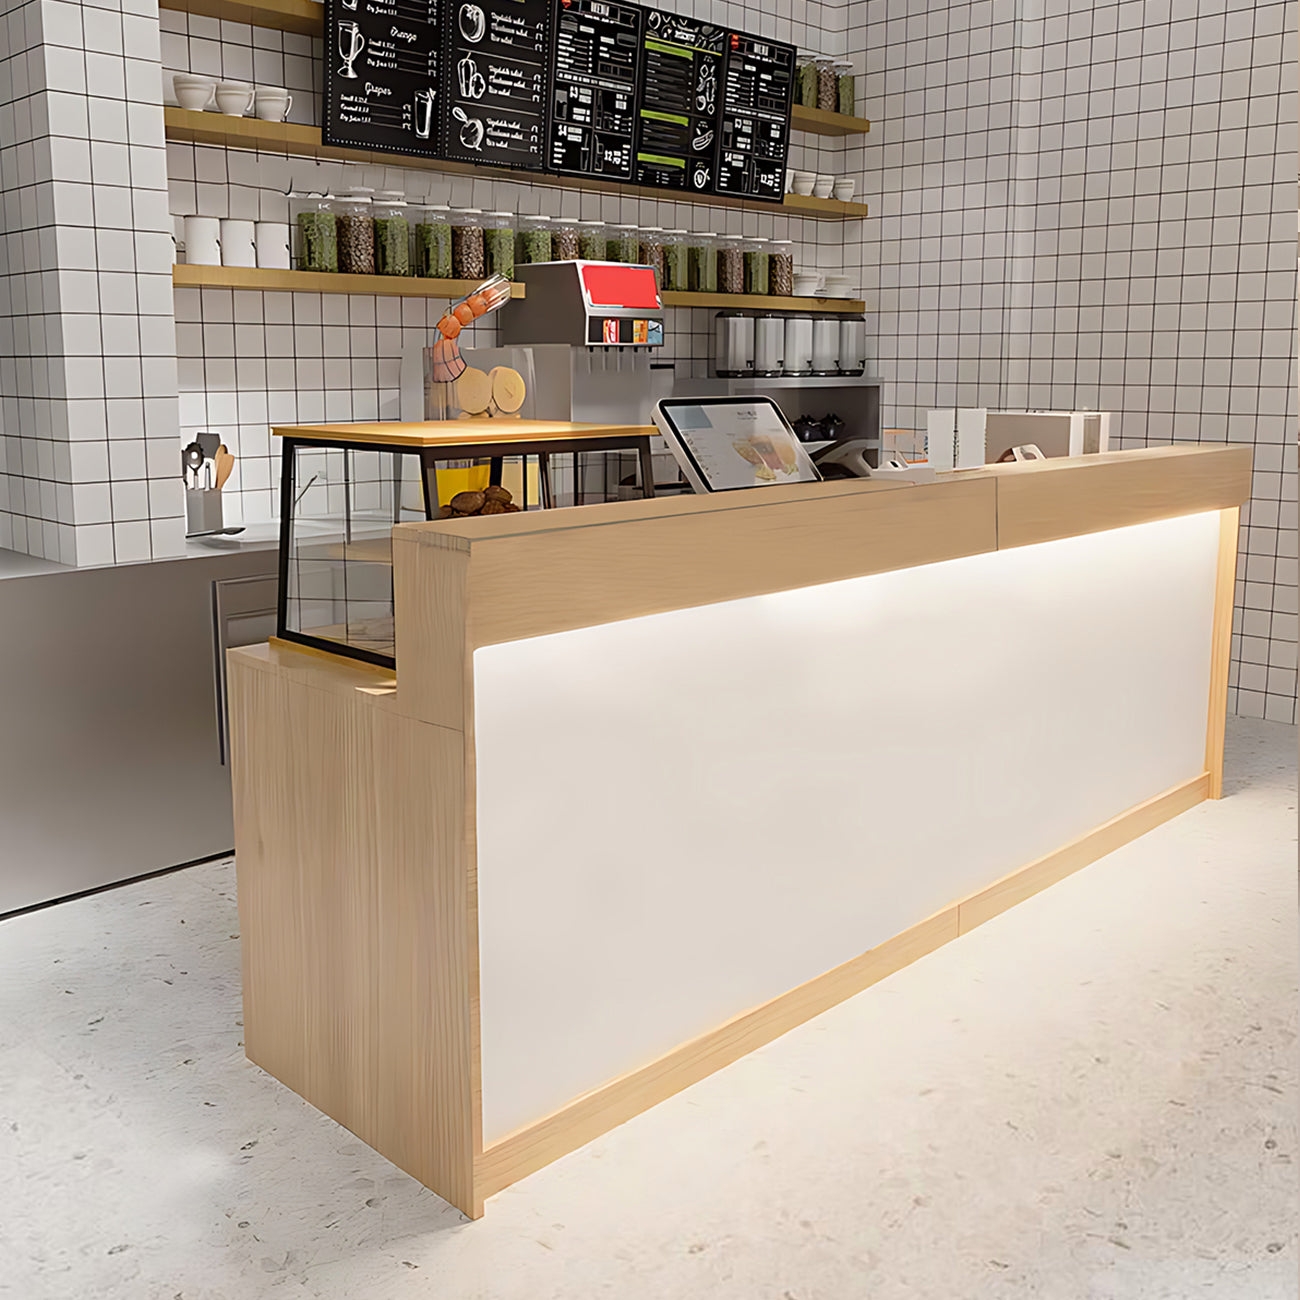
(623,244)
(499,244)
(806,81)
(702,263)
(780,275)
(533,243)
(316,228)
(591,241)
(675,275)
(356,229)
(433,241)
(468,259)
(565,246)
(845,92)
(828,88)
(652,250)
(392,234)
(731,265)
(757,266)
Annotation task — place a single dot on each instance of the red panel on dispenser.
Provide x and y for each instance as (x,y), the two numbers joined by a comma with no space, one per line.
(610,285)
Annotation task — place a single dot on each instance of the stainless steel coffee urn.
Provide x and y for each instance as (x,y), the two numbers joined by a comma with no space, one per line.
(733,345)
(853,345)
(769,344)
(798,346)
(826,345)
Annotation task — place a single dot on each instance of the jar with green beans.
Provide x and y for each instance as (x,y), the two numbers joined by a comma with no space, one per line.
(591,241)
(392,234)
(499,243)
(806,82)
(356,228)
(467,256)
(433,242)
(623,244)
(757,265)
(533,243)
(652,250)
(317,227)
(675,273)
(702,263)
(846,93)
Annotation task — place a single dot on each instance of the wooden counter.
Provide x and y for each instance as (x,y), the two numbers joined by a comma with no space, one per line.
(616,822)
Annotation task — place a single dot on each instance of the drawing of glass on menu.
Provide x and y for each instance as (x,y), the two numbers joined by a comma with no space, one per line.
(754,125)
(495,104)
(593,95)
(681,66)
(382,61)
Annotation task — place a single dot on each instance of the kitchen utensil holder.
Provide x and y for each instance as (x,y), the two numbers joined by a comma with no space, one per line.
(203,512)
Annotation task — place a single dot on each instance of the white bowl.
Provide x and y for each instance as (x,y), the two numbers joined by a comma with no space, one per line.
(193,92)
(823,186)
(805,286)
(843,189)
(804,182)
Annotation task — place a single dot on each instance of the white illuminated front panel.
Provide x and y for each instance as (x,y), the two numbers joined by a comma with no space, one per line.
(685,815)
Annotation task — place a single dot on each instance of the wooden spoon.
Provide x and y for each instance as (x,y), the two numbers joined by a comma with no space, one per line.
(225,462)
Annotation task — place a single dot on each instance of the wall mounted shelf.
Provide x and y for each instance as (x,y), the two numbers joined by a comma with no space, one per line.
(759,302)
(819,122)
(303,141)
(187,276)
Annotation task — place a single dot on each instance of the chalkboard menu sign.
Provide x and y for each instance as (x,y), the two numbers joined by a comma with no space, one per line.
(594,88)
(754,122)
(383,61)
(600,88)
(498,59)
(677,118)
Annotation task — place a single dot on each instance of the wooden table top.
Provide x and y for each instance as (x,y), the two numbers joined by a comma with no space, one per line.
(461,433)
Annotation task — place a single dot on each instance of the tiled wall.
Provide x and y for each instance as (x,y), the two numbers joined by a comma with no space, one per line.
(245,358)
(87,356)
(1093,205)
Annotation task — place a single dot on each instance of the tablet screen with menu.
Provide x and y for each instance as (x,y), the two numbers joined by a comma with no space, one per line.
(725,443)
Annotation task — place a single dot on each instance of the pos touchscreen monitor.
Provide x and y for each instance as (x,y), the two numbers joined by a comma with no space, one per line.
(724,443)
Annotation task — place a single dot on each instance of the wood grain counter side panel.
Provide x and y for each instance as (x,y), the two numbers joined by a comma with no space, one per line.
(1050,500)
(556,581)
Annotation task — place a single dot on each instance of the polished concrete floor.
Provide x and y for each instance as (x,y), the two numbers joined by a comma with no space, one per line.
(1094,1095)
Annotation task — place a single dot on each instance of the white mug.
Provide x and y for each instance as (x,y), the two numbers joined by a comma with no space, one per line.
(237,246)
(234,98)
(273,245)
(272,103)
(203,241)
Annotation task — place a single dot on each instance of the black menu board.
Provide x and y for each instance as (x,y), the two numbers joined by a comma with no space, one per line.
(754,121)
(383,59)
(594,87)
(677,117)
(498,55)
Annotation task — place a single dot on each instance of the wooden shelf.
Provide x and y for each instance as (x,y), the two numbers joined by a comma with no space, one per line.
(303,141)
(819,122)
(302,16)
(267,281)
(761,302)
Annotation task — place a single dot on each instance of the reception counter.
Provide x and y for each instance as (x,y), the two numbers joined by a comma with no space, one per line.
(656,781)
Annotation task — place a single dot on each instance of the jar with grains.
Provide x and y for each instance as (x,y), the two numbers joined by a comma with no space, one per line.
(731,266)
(392,234)
(433,242)
(757,265)
(652,250)
(591,240)
(828,88)
(499,243)
(564,241)
(467,256)
(318,236)
(847,99)
(533,243)
(702,263)
(780,274)
(806,82)
(623,244)
(675,260)
(356,227)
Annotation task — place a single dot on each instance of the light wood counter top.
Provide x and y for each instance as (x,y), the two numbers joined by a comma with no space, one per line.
(461,433)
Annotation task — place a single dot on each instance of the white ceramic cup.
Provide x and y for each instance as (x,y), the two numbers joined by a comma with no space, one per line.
(192,91)
(203,241)
(238,247)
(821,187)
(234,98)
(789,180)
(272,240)
(272,103)
(803,182)
(843,189)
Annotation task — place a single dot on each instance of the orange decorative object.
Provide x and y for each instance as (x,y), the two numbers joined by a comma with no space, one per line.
(448,364)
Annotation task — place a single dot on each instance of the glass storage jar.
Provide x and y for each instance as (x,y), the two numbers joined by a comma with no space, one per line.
(780,271)
(675,273)
(757,265)
(846,92)
(356,228)
(828,89)
(806,81)
(591,241)
(392,234)
(652,250)
(623,244)
(564,241)
(731,266)
(467,256)
(433,242)
(499,244)
(533,243)
(317,229)
(702,263)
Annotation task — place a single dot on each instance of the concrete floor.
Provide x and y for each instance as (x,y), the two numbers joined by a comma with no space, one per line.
(1094,1095)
